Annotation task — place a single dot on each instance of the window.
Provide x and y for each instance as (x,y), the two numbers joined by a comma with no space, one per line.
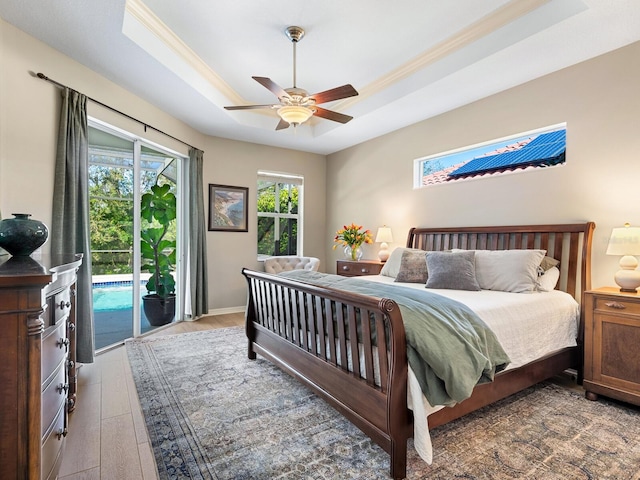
(279,218)
(540,148)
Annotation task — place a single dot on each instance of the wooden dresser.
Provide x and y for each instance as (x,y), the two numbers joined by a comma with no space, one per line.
(611,339)
(37,363)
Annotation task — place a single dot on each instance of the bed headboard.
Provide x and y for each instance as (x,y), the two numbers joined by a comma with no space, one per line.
(568,243)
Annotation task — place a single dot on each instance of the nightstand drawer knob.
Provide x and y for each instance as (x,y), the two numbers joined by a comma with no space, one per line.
(345,268)
(365,270)
(619,306)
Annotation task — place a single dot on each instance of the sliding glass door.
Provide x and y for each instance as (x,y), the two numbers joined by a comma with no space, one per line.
(124,172)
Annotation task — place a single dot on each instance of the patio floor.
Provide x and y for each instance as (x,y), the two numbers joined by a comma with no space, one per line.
(112,327)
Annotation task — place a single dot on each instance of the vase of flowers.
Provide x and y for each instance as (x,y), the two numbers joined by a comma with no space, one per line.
(352,237)
(354,253)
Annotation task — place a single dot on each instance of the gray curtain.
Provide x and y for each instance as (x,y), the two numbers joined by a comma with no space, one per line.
(197,237)
(70,223)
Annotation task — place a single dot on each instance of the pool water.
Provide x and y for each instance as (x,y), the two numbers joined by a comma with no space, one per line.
(112,297)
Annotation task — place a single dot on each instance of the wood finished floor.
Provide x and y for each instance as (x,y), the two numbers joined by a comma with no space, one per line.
(107,437)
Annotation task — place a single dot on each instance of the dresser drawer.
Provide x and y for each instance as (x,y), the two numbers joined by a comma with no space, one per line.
(617,305)
(54,396)
(52,446)
(54,349)
(60,305)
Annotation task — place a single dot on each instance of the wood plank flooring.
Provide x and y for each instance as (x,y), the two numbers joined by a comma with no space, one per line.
(107,437)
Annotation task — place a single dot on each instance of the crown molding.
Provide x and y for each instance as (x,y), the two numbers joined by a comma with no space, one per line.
(497,19)
(157,27)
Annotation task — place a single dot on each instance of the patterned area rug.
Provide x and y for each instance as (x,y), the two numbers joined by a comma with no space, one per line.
(213,414)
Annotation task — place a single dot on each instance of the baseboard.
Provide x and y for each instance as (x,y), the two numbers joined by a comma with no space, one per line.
(223,311)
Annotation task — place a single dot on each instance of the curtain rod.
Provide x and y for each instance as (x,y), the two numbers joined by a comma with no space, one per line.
(146,125)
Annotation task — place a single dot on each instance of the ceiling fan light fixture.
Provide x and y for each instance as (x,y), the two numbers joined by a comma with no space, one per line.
(295,114)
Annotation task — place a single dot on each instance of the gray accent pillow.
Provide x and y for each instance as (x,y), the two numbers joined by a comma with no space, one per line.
(391,267)
(452,270)
(413,267)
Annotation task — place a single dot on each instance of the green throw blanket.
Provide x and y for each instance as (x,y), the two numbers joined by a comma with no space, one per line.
(449,348)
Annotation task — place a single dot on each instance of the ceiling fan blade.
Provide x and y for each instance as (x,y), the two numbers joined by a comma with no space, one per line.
(331,115)
(272,86)
(247,107)
(282,125)
(337,93)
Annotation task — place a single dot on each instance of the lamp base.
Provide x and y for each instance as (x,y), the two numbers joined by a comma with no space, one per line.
(383,253)
(628,280)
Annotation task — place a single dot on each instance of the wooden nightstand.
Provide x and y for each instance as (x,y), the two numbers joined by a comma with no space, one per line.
(612,345)
(350,268)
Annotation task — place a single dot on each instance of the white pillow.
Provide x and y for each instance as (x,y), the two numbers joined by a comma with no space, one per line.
(391,267)
(508,270)
(548,281)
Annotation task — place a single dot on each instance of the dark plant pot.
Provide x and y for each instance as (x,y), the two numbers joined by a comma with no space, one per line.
(159,311)
(20,236)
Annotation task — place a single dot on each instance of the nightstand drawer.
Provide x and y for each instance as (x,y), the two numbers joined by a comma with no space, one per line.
(617,305)
(363,267)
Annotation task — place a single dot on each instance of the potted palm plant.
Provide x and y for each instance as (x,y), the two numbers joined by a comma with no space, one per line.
(158,208)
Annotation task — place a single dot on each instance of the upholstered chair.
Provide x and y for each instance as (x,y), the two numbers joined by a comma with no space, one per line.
(284,263)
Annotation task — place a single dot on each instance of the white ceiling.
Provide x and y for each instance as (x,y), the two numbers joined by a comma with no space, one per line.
(409,59)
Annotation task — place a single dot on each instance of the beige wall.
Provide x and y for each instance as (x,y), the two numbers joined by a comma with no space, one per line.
(372,183)
(29,111)
(236,163)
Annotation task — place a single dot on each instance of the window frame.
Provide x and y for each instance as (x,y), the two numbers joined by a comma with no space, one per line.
(278,178)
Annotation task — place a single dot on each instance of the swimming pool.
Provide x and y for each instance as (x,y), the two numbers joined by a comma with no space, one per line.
(113,296)
(113,312)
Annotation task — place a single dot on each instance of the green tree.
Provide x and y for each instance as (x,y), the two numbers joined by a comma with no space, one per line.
(111,215)
(287,203)
(111,211)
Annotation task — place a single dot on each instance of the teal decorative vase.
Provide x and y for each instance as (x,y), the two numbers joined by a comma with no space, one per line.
(20,236)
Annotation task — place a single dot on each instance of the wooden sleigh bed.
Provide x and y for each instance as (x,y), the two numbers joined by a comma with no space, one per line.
(315,334)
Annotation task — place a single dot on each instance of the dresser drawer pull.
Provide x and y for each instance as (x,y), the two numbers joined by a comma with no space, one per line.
(62,388)
(64,304)
(345,268)
(62,432)
(619,306)
(365,270)
(62,342)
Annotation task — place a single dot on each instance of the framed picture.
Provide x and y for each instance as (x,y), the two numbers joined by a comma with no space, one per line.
(228,207)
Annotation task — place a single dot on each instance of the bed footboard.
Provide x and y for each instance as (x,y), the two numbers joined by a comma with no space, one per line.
(332,341)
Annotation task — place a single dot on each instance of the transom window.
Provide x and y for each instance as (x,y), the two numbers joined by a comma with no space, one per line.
(536,149)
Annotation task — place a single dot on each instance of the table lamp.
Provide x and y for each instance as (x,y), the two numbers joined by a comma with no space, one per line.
(383,236)
(625,241)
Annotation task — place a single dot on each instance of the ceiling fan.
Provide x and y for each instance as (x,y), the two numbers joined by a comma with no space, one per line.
(296,105)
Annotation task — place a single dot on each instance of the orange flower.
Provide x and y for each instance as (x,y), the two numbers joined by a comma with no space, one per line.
(353,236)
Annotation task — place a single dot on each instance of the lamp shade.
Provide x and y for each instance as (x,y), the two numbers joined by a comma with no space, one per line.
(624,241)
(384,235)
(295,114)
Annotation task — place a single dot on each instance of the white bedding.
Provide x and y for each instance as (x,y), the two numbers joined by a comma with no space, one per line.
(528,326)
